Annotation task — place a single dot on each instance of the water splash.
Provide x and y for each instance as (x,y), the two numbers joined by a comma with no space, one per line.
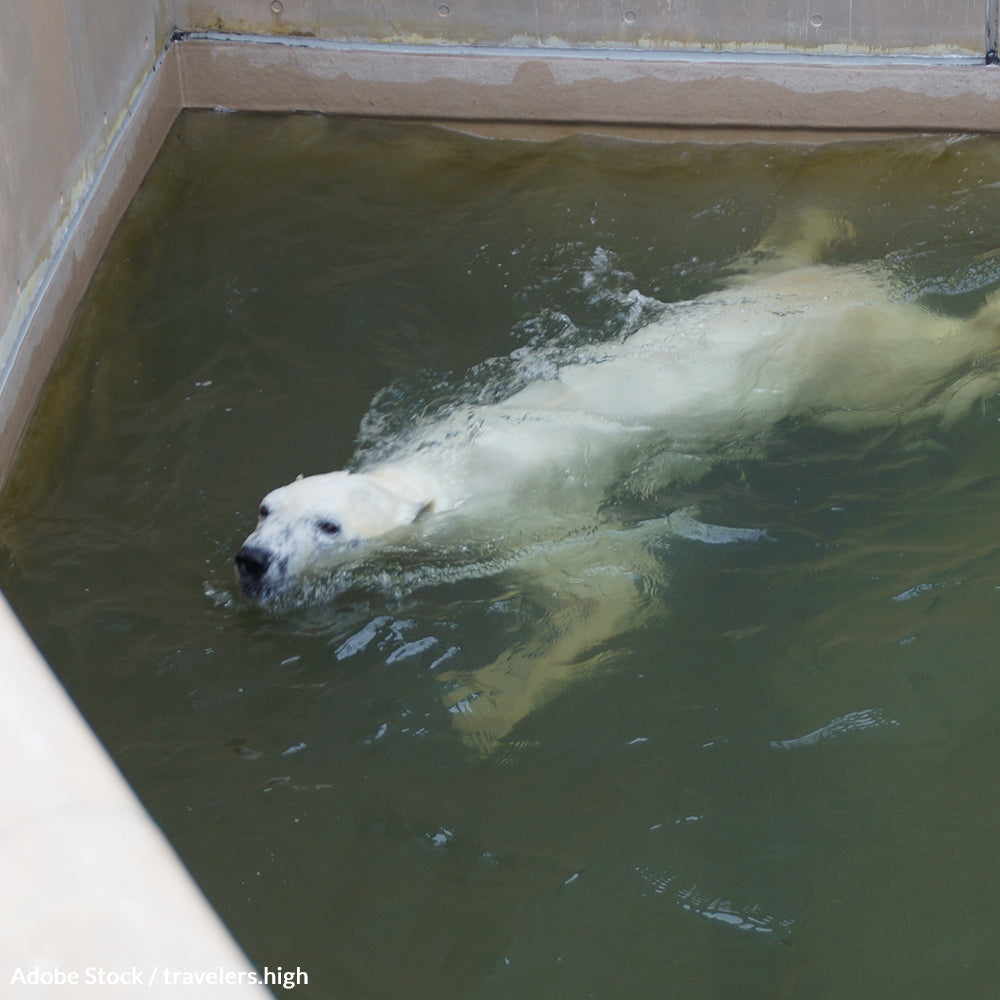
(748,917)
(842,726)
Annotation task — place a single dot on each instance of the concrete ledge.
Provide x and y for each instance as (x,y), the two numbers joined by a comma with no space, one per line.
(90,886)
(593,87)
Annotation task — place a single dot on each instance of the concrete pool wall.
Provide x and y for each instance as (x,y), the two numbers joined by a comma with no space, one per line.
(90,93)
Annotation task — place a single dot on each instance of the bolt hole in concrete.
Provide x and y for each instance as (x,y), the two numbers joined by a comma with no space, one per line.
(729,727)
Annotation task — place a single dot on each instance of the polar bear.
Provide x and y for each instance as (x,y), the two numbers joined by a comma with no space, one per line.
(832,344)
(787,337)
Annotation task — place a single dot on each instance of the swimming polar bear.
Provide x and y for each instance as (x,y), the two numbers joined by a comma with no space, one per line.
(789,337)
(831,344)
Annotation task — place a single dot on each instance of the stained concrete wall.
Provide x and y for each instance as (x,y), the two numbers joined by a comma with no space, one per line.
(581,89)
(68,72)
(827,26)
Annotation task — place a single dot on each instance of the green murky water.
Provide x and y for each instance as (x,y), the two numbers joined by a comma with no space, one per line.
(780,779)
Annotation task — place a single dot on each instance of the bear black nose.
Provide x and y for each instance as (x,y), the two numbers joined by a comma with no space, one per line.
(252,563)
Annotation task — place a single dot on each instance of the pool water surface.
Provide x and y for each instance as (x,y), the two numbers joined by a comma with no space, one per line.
(777,775)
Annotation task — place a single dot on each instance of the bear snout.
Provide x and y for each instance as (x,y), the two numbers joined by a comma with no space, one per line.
(252,563)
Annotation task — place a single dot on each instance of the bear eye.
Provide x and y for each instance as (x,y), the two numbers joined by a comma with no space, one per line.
(264,511)
(329,527)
